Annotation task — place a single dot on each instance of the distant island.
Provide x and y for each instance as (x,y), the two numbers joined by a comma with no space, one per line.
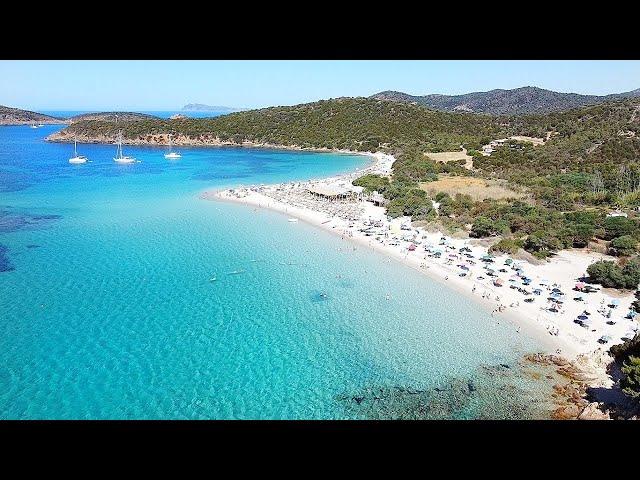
(199,107)
(518,101)
(112,117)
(16,116)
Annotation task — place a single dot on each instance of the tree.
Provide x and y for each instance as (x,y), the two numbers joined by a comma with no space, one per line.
(607,274)
(631,273)
(623,246)
(610,275)
(630,383)
(485,227)
(617,227)
(541,243)
(582,234)
(372,183)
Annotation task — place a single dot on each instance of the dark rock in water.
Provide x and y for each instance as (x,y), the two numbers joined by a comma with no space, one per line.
(498,391)
(33,245)
(12,222)
(5,263)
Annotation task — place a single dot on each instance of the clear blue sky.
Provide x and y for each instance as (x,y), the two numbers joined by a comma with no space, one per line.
(168,85)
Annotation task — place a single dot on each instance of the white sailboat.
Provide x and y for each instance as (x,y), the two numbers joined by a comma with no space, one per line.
(171,154)
(120,158)
(77,158)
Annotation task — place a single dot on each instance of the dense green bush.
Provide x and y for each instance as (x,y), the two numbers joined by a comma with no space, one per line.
(617,227)
(506,245)
(623,246)
(609,274)
(630,382)
(627,355)
(542,243)
(485,227)
(372,183)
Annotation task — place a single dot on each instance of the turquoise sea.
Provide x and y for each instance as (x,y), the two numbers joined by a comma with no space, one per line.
(107,310)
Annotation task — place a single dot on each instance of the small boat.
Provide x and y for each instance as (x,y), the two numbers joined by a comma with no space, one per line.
(77,159)
(213,279)
(33,125)
(236,272)
(120,157)
(172,155)
(293,220)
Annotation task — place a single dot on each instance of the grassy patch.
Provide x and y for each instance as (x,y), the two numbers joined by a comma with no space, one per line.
(478,188)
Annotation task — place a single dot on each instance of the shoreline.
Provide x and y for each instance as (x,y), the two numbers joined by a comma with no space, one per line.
(162,140)
(438,275)
(556,333)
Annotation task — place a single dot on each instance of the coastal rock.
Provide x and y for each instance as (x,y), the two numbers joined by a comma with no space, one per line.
(569,412)
(593,412)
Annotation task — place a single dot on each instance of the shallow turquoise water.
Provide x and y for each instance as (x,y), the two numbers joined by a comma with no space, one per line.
(107,311)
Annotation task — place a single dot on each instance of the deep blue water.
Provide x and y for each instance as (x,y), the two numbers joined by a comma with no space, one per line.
(107,309)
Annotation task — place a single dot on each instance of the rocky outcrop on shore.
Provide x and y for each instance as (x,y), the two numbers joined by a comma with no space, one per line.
(575,378)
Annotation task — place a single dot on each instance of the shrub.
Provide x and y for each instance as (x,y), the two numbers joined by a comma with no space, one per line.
(506,245)
(541,244)
(630,383)
(485,227)
(372,183)
(623,246)
(610,275)
(617,227)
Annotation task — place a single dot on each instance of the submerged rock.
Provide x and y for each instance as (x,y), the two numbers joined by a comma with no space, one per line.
(5,263)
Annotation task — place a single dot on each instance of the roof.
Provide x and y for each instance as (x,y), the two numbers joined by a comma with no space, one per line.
(327,191)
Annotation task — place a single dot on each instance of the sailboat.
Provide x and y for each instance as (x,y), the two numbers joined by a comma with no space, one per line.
(77,158)
(120,158)
(171,154)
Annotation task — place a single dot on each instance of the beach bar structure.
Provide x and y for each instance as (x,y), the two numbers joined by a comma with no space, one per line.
(336,192)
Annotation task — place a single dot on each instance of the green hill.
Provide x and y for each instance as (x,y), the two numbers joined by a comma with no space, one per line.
(16,116)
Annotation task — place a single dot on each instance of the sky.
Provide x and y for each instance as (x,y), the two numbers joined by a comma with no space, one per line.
(169,85)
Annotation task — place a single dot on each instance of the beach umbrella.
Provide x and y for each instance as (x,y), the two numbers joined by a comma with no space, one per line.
(544,282)
(508,261)
(615,301)
(580,285)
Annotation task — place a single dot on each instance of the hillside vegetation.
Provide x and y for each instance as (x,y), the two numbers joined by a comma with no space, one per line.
(351,123)
(16,116)
(562,189)
(518,101)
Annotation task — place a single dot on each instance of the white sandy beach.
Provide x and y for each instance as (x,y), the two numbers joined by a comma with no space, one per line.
(440,257)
